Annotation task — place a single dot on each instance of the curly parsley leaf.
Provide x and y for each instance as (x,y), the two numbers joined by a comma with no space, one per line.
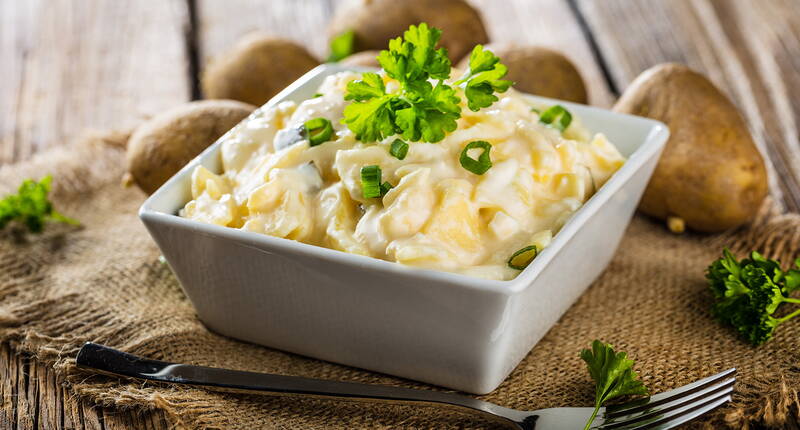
(483,79)
(342,46)
(431,115)
(425,59)
(748,293)
(424,107)
(369,86)
(372,121)
(30,206)
(414,57)
(612,373)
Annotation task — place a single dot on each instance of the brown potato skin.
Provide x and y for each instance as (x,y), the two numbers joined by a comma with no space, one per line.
(711,173)
(363,58)
(256,69)
(538,70)
(162,145)
(375,22)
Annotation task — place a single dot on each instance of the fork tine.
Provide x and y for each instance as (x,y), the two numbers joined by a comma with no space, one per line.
(667,396)
(688,413)
(695,398)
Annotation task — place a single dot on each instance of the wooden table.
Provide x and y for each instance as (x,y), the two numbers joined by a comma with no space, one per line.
(69,65)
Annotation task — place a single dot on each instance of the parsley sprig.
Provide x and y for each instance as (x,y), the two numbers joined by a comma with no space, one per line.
(30,206)
(419,110)
(749,292)
(483,79)
(612,373)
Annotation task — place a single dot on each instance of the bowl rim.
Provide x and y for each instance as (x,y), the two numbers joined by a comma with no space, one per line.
(653,143)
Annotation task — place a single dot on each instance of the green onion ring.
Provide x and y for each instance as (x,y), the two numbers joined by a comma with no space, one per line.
(483,163)
(399,149)
(371,181)
(318,130)
(557,117)
(522,251)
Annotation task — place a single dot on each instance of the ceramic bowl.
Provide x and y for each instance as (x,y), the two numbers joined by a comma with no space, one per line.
(442,328)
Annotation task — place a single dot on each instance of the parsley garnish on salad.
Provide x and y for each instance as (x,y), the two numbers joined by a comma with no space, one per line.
(30,206)
(420,110)
(483,78)
(750,292)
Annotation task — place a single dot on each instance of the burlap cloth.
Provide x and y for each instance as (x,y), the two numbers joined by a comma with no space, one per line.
(102,282)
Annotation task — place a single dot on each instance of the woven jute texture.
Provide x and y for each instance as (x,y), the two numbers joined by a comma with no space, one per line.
(102,282)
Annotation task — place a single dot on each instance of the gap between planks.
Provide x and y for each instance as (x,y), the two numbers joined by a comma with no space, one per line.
(193,50)
(758,69)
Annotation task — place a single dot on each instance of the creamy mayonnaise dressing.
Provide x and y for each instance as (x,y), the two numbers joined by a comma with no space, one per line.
(438,215)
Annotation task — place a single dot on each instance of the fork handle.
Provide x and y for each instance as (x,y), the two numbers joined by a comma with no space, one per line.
(112,361)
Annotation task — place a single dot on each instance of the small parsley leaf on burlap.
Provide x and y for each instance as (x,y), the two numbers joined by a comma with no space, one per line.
(423,107)
(612,373)
(748,293)
(30,206)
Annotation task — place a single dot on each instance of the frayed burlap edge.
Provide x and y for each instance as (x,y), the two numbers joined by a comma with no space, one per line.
(771,232)
(187,408)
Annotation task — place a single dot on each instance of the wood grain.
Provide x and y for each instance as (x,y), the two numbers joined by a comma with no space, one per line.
(551,23)
(69,65)
(221,24)
(751,49)
(31,397)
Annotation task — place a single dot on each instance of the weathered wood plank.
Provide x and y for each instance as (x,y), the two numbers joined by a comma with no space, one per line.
(749,48)
(91,417)
(51,402)
(770,57)
(8,387)
(69,65)
(27,395)
(221,24)
(116,420)
(549,23)
(71,408)
(32,397)
(72,64)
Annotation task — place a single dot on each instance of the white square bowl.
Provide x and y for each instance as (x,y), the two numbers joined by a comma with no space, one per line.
(446,329)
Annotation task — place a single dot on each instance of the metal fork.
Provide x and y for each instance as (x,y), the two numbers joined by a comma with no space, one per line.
(661,411)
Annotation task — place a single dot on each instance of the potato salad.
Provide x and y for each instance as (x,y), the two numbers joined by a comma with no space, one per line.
(415,203)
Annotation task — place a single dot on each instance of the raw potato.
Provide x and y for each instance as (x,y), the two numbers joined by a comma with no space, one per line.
(376,21)
(363,58)
(540,71)
(161,146)
(256,69)
(711,174)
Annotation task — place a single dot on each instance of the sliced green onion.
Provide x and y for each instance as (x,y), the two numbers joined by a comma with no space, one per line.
(533,109)
(371,181)
(316,95)
(556,117)
(399,149)
(522,258)
(385,187)
(483,163)
(318,130)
